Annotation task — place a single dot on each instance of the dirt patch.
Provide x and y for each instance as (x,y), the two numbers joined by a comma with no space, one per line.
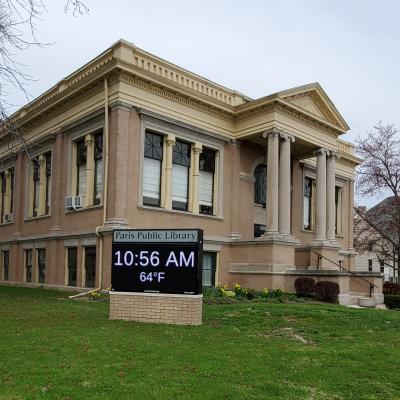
(288,332)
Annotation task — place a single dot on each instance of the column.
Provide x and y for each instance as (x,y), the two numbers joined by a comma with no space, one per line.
(272,182)
(42,185)
(284,185)
(330,196)
(58,176)
(320,228)
(194,200)
(170,142)
(235,189)
(89,170)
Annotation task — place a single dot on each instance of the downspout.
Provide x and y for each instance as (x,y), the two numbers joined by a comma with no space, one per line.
(105,193)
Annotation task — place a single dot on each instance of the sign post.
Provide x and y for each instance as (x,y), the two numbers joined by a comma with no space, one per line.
(156,275)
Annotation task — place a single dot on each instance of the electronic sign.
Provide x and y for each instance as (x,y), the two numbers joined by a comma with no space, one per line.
(157,261)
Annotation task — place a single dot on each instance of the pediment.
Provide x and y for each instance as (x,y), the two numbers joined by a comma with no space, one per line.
(313,100)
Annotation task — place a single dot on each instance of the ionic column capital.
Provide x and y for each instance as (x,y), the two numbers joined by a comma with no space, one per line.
(286,137)
(197,148)
(271,132)
(170,140)
(321,151)
(88,140)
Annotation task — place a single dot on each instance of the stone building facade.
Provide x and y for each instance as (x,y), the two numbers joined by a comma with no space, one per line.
(131,140)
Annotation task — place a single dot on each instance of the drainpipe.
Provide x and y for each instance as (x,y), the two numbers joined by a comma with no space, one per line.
(105,193)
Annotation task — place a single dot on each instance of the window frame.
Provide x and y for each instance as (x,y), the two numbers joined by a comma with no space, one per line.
(178,158)
(160,159)
(26,252)
(260,185)
(210,169)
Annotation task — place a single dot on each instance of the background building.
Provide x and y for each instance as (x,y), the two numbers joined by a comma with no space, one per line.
(130,140)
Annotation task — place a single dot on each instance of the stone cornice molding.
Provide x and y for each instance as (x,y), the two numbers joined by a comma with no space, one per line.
(153,120)
(119,104)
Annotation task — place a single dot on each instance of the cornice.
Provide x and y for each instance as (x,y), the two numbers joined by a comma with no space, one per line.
(154,120)
(153,87)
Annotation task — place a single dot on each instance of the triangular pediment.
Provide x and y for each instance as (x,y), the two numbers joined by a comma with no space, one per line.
(313,100)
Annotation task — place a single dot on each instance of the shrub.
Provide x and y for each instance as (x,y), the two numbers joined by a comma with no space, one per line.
(304,286)
(239,291)
(391,288)
(392,301)
(327,290)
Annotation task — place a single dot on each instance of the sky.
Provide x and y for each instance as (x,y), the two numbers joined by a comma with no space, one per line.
(351,47)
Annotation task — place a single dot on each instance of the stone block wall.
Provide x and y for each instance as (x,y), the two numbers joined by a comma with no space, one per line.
(156,308)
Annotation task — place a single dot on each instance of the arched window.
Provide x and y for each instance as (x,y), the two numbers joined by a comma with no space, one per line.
(260,174)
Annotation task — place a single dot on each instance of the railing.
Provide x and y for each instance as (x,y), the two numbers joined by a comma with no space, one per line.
(371,285)
(346,147)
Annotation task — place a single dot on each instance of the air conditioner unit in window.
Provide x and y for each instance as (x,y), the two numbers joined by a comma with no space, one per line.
(8,217)
(74,202)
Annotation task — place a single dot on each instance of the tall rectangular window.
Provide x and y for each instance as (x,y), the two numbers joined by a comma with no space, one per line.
(206,181)
(6,265)
(338,210)
(308,203)
(370,265)
(28,266)
(41,255)
(3,196)
(180,175)
(209,268)
(98,167)
(39,185)
(81,157)
(36,186)
(153,156)
(72,265)
(48,182)
(90,267)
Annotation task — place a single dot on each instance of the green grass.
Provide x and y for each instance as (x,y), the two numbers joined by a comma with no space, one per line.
(53,348)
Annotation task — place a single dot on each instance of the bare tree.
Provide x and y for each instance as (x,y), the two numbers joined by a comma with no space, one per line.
(378,229)
(18,21)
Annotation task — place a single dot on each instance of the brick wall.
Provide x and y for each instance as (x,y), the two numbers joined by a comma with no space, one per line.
(156,308)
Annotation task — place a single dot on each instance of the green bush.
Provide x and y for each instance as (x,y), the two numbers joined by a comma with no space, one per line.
(327,291)
(304,286)
(391,288)
(392,301)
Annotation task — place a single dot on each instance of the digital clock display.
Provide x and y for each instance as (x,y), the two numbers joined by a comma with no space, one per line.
(157,261)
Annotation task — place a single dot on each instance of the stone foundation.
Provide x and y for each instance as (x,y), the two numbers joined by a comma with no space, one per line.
(156,308)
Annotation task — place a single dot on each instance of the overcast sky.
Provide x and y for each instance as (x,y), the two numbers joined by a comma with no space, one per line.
(351,47)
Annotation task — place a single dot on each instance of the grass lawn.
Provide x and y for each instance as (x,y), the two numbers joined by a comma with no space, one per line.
(53,348)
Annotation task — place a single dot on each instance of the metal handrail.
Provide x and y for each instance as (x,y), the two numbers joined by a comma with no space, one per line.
(371,285)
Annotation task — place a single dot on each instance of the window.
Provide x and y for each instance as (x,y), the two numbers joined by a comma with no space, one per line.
(206,181)
(48,182)
(40,182)
(6,265)
(81,158)
(28,266)
(90,267)
(98,168)
(260,174)
(209,268)
(72,265)
(370,265)
(308,204)
(338,210)
(6,195)
(41,255)
(382,266)
(153,156)
(88,168)
(259,230)
(180,175)
(36,186)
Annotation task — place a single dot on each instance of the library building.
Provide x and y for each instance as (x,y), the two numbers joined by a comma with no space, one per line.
(130,140)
